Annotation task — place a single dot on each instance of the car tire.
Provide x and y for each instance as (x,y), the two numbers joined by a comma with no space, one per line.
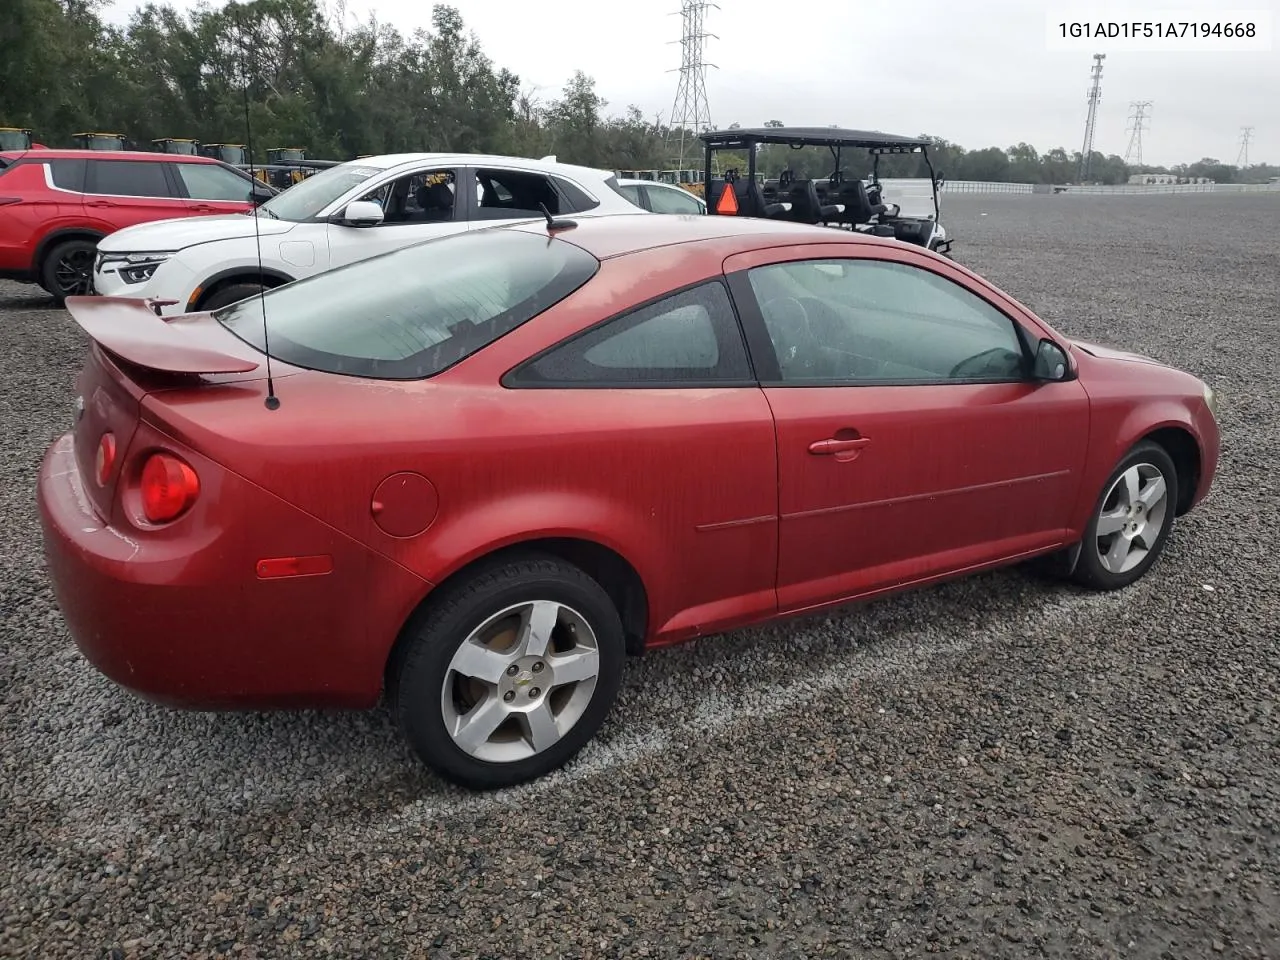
(475,698)
(231,294)
(67,269)
(1131,520)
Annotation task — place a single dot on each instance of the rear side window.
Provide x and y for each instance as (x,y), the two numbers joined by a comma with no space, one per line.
(689,337)
(127,178)
(68,174)
(417,311)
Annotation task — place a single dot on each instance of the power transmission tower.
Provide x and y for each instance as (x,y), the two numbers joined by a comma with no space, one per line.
(1095,97)
(690,113)
(1242,159)
(1138,121)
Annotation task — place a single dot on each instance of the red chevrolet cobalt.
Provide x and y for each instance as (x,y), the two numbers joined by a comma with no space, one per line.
(480,471)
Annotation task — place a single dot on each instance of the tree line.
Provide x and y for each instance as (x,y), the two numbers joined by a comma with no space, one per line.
(304,76)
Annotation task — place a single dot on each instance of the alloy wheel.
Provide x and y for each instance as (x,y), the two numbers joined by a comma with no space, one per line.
(1133,515)
(74,272)
(520,681)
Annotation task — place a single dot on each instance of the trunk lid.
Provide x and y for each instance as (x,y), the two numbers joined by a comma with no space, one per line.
(134,353)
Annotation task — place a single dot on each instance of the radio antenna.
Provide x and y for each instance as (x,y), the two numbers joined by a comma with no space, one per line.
(272,402)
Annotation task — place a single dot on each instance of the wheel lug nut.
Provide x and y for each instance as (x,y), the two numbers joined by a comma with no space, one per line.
(512,670)
(534,692)
(509,696)
(537,667)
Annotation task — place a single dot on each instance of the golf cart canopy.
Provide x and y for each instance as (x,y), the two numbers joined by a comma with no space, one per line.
(870,140)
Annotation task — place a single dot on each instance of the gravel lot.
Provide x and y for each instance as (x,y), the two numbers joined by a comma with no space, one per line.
(999,767)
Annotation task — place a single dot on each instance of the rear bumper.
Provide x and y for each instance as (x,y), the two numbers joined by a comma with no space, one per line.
(182,619)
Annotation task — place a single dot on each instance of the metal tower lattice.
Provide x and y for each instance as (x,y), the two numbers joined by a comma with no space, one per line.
(1242,158)
(1139,118)
(690,112)
(1095,97)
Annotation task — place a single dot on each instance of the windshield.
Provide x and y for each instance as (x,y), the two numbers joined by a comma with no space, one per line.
(414,312)
(307,198)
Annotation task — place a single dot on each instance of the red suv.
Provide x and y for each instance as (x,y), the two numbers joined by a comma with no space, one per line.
(55,205)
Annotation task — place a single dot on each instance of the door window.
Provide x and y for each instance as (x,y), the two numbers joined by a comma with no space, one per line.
(672,200)
(209,181)
(128,178)
(514,195)
(425,196)
(686,338)
(869,321)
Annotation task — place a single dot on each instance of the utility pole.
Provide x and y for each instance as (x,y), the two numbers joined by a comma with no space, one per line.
(1095,97)
(1246,135)
(690,113)
(1138,119)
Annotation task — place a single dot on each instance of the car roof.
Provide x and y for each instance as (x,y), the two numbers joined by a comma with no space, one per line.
(392,160)
(621,234)
(56,154)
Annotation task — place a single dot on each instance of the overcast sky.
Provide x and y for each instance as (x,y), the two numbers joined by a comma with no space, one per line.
(977,72)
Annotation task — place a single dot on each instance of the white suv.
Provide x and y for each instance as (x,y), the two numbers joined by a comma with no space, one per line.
(345,213)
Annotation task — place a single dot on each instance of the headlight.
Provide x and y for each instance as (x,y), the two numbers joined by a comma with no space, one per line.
(132,267)
(1210,399)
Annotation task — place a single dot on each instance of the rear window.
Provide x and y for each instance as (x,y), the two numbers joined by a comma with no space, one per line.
(417,311)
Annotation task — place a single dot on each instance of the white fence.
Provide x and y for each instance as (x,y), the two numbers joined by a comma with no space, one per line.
(978,186)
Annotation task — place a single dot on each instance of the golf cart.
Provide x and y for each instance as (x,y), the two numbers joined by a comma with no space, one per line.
(837,200)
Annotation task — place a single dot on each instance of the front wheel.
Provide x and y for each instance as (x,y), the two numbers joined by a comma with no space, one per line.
(231,294)
(1131,520)
(506,677)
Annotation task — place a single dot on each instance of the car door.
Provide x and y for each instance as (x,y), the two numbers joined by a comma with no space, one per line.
(121,193)
(211,188)
(912,442)
(416,205)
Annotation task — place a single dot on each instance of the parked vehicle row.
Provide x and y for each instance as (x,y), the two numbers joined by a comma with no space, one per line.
(57,205)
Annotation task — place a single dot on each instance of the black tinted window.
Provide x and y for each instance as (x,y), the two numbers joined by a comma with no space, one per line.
(128,178)
(68,174)
(209,181)
(513,194)
(579,202)
(414,312)
(691,336)
(869,321)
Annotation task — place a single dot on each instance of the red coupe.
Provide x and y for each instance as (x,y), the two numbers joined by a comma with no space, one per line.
(480,471)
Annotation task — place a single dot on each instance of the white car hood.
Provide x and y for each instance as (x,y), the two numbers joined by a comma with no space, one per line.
(178,234)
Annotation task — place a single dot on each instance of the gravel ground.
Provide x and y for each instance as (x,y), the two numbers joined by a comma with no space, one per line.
(998,767)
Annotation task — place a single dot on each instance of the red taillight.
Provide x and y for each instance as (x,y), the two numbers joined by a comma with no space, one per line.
(169,487)
(105,460)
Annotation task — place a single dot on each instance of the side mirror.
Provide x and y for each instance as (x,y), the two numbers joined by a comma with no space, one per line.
(260,193)
(1051,363)
(361,213)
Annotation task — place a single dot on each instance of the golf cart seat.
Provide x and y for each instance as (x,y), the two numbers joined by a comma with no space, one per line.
(751,199)
(806,206)
(858,205)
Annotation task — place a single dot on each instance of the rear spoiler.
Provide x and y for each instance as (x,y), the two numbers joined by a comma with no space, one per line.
(133,330)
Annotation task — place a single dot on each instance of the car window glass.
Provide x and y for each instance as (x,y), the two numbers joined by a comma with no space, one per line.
(306,199)
(667,200)
(208,181)
(868,321)
(415,311)
(425,196)
(632,193)
(513,194)
(68,174)
(689,336)
(128,178)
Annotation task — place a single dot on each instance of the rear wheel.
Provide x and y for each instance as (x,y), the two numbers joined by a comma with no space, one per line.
(1131,520)
(231,294)
(507,676)
(67,270)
